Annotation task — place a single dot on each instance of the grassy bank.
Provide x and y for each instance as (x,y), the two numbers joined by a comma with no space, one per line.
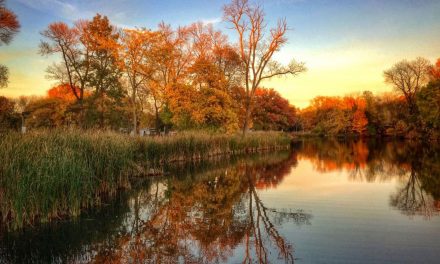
(55,174)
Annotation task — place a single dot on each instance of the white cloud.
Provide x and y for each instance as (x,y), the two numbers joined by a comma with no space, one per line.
(61,8)
(80,9)
(213,21)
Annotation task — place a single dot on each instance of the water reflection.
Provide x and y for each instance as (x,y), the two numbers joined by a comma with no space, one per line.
(204,218)
(219,211)
(200,215)
(414,166)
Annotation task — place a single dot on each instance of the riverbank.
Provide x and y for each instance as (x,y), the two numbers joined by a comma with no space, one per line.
(48,175)
(433,137)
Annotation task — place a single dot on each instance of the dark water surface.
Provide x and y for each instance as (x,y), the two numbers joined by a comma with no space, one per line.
(323,202)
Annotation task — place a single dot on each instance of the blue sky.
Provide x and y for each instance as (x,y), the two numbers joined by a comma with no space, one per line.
(345,44)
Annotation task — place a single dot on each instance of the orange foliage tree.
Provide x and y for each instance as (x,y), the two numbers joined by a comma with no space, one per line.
(63,92)
(360,122)
(336,115)
(136,59)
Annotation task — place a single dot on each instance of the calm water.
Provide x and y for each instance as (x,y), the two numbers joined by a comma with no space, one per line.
(324,202)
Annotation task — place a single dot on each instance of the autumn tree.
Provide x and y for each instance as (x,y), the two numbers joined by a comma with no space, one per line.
(336,115)
(135,55)
(9,27)
(435,70)
(47,112)
(204,108)
(101,39)
(256,48)
(360,122)
(213,73)
(216,63)
(332,115)
(172,56)
(408,77)
(63,92)
(272,111)
(66,41)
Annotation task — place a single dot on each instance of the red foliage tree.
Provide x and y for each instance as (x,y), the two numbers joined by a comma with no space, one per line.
(272,111)
(435,70)
(63,92)
(9,25)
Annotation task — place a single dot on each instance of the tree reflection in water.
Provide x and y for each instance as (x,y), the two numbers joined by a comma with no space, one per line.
(213,213)
(204,219)
(412,199)
(417,167)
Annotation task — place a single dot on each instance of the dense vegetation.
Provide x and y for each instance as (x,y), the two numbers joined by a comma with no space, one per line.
(190,77)
(186,78)
(50,174)
(193,77)
(412,112)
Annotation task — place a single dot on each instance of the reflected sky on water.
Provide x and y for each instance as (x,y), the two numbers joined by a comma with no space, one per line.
(326,201)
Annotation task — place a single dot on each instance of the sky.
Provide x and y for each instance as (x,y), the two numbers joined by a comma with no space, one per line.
(345,44)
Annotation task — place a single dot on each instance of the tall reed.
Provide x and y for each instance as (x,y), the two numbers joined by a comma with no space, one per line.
(54,174)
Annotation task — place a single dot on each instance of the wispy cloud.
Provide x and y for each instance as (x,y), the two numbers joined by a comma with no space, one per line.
(283,2)
(79,9)
(213,21)
(65,9)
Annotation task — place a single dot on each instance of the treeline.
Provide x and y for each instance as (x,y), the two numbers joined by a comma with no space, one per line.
(190,77)
(193,77)
(412,164)
(413,111)
(56,110)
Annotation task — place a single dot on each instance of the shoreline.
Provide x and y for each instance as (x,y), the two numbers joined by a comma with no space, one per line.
(57,174)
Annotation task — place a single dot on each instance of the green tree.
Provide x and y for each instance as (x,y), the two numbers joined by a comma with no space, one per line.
(428,102)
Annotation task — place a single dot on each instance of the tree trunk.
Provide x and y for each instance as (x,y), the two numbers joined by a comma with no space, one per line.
(81,113)
(133,99)
(134,120)
(156,109)
(247,116)
(102,111)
